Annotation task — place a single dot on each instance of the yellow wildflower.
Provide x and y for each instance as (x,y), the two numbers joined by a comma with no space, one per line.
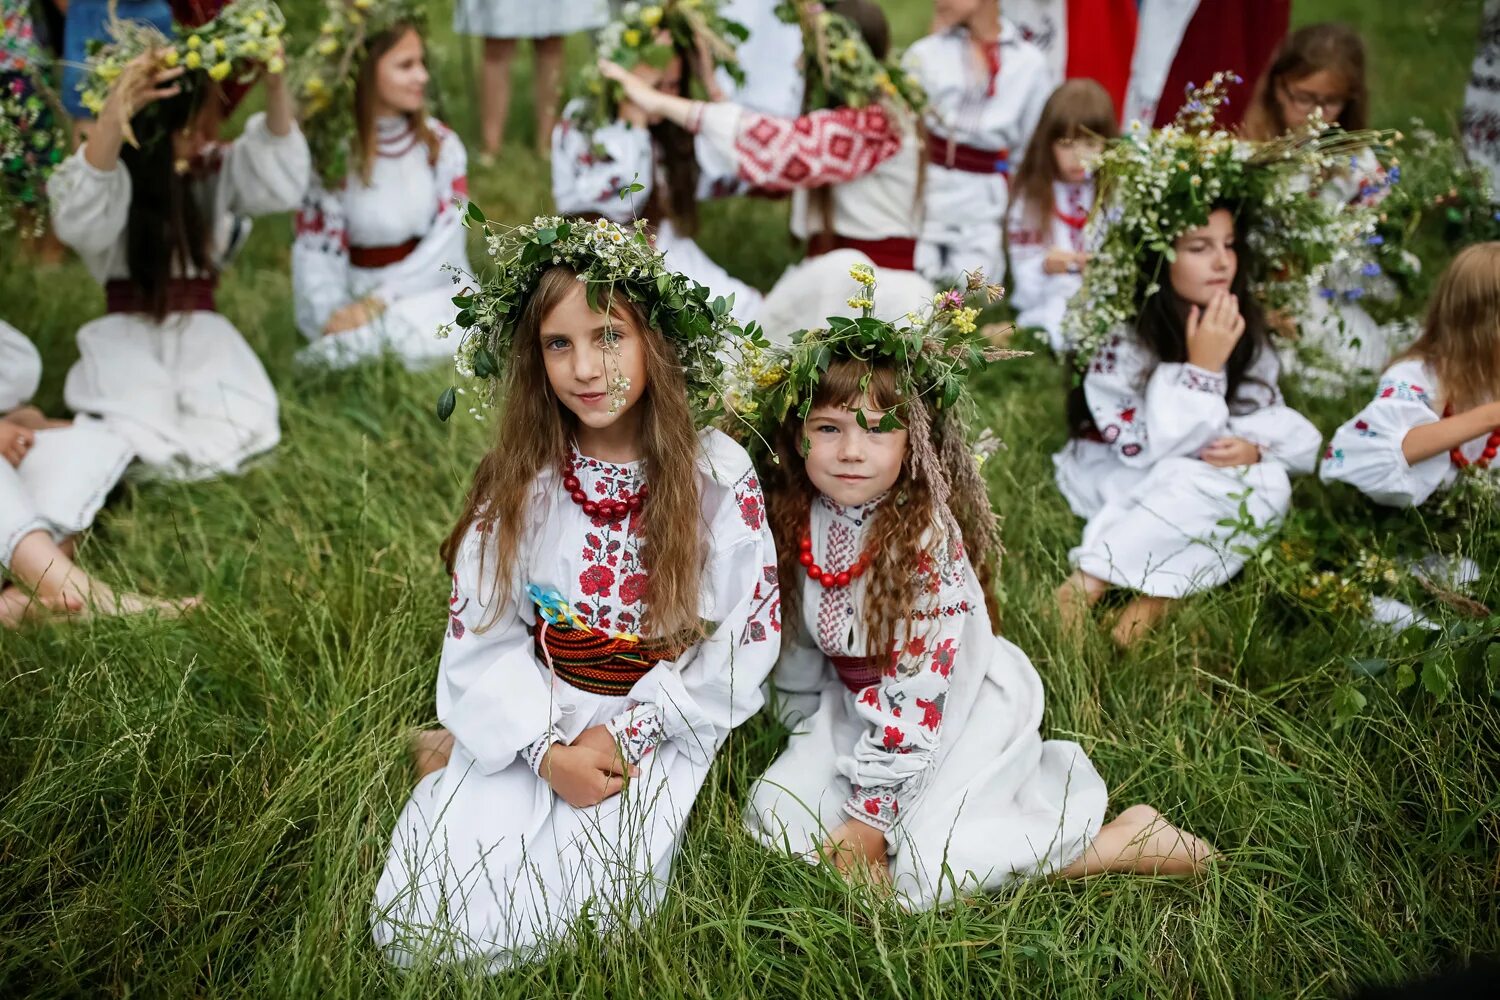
(193,60)
(328,46)
(220,47)
(171,58)
(194,41)
(93,101)
(219,70)
(364,4)
(632,38)
(864,274)
(276,65)
(314,86)
(651,16)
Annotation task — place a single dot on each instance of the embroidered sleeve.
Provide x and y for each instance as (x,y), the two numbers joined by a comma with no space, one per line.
(893,760)
(1201,380)
(320,260)
(534,753)
(815,150)
(1147,411)
(590,169)
(1366,452)
(638,730)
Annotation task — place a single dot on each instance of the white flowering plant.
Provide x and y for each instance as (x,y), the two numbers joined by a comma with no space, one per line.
(840,68)
(652,33)
(1157,184)
(614,262)
(325,75)
(243,38)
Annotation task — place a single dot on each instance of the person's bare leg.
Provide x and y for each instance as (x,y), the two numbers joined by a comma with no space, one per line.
(494,94)
(546,82)
(1076,596)
(1140,841)
(1139,617)
(42,567)
(430,750)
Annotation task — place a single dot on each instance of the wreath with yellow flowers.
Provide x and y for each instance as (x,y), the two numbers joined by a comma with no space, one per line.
(839,67)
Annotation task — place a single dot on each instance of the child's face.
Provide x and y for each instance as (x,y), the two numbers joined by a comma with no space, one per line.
(847,463)
(587,352)
(1072,155)
(1206,260)
(950,12)
(1298,99)
(401,75)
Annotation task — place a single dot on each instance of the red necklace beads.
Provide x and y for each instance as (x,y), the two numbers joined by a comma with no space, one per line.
(827,579)
(609,509)
(1491,449)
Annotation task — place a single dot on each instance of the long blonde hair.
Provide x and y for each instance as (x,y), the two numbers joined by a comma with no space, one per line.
(533,434)
(1460,340)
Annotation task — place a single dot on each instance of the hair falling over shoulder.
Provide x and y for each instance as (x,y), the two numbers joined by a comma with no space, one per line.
(1079,109)
(905,522)
(534,432)
(1460,339)
(367,136)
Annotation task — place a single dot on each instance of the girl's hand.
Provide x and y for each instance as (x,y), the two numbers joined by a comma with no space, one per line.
(1226,452)
(353,316)
(584,776)
(15,441)
(1060,261)
(143,82)
(857,850)
(638,91)
(1213,331)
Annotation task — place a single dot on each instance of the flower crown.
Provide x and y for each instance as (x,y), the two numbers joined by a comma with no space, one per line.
(634,38)
(1155,185)
(329,68)
(840,68)
(32,144)
(611,260)
(244,35)
(932,353)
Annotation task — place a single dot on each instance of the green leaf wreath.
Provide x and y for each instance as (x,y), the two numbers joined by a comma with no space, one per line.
(839,67)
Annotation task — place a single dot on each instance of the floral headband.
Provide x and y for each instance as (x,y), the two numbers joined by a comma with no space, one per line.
(840,68)
(32,144)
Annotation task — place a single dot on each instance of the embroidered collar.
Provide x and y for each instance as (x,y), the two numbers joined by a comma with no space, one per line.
(620,470)
(856,514)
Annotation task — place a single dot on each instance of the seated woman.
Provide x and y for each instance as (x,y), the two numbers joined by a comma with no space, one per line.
(380,231)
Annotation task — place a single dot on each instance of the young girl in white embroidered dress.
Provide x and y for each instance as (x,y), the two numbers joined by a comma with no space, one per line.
(614,612)
(1436,411)
(986,86)
(368,264)
(853,169)
(1050,204)
(164,370)
(54,477)
(1182,445)
(915,758)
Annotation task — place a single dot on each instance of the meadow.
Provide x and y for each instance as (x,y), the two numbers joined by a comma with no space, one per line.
(201,807)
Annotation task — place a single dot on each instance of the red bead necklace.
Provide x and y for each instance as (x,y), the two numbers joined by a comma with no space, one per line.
(823,576)
(609,509)
(1491,448)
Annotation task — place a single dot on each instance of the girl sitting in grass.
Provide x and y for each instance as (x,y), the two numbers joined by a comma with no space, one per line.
(916,759)
(613,612)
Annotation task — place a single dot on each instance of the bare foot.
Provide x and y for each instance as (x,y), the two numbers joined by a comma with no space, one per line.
(18,608)
(1141,841)
(1139,617)
(1075,597)
(430,750)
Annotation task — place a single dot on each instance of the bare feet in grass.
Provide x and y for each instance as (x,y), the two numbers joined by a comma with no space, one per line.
(1140,841)
(1139,617)
(430,750)
(19,608)
(1077,595)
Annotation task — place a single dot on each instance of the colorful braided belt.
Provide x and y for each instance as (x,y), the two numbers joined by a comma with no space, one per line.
(857,672)
(596,661)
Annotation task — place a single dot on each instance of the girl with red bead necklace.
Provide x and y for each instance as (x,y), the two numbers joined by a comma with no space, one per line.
(1436,412)
(613,614)
(915,749)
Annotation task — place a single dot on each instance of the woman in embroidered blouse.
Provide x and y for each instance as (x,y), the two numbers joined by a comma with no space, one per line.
(599,516)
(867,160)
(985,89)
(371,265)
(1054,194)
(1437,408)
(926,760)
(164,370)
(1178,428)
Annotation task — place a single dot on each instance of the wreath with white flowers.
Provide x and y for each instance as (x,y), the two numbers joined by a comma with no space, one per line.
(839,67)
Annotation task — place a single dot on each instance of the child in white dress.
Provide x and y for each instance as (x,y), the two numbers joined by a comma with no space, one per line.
(614,611)
(915,757)
(1050,205)
(380,230)
(164,369)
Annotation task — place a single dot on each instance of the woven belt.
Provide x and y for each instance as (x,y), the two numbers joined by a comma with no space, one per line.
(183,295)
(857,672)
(373,257)
(898,253)
(971,159)
(597,662)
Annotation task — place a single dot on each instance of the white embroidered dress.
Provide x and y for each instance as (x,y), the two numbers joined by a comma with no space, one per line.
(1153,507)
(63,480)
(1366,452)
(188,394)
(964,211)
(942,752)
(487,865)
(1041,299)
(409,198)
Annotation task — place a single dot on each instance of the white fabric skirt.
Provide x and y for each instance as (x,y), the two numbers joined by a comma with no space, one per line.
(60,484)
(809,292)
(528,18)
(1003,804)
(408,329)
(486,870)
(1157,530)
(188,395)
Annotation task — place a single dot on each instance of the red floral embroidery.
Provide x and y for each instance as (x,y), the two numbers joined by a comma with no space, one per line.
(870,696)
(633,588)
(597,580)
(942,657)
(872,806)
(932,713)
(894,737)
(752,512)
(916,646)
(1128,414)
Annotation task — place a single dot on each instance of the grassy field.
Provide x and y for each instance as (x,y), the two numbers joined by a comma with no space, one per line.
(200,808)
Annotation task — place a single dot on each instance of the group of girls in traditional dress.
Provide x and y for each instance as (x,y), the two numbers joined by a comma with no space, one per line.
(629,584)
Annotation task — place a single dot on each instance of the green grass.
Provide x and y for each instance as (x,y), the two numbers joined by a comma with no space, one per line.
(202,808)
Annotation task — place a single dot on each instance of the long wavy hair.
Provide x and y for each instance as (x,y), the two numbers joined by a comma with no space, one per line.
(534,433)
(1330,46)
(1078,109)
(904,521)
(1162,327)
(366,89)
(168,227)
(1460,340)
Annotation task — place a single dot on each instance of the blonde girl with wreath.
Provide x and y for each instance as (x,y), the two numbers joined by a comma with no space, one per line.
(915,758)
(142,202)
(614,607)
(380,229)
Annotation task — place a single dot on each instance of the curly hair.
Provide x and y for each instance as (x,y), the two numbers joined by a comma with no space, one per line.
(938,500)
